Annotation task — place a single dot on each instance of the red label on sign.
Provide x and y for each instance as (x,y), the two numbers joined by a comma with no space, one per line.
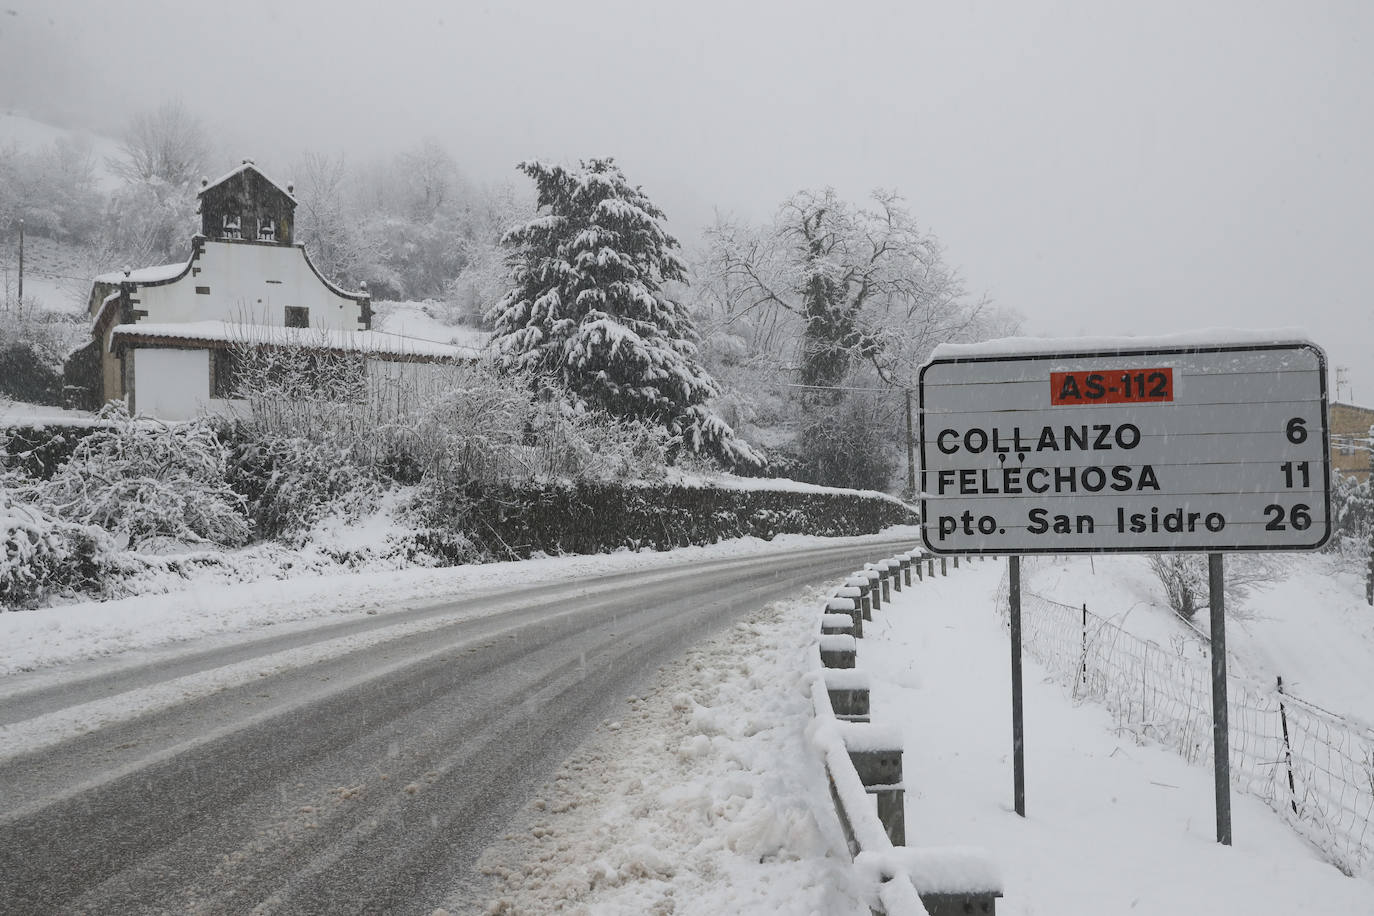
(1118,386)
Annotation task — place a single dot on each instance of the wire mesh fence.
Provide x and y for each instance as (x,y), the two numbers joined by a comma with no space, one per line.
(1313,767)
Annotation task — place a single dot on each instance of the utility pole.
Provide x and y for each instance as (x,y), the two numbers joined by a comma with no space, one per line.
(21,264)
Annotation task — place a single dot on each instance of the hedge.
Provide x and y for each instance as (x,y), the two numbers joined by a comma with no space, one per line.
(516,522)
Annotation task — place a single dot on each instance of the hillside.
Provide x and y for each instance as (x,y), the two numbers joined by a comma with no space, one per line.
(1308,624)
(22,132)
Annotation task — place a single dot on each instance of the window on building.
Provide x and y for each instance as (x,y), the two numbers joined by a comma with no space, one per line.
(233,227)
(226,370)
(297,316)
(267,230)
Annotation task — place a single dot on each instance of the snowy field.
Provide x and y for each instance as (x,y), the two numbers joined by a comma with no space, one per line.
(1310,625)
(424,320)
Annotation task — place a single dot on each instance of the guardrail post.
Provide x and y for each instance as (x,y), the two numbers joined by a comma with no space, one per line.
(956,561)
(905,561)
(944,568)
(882,579)
(848,691)
(850,607)
(930,570)
(894,572)
(875,591)
(880,770)
(960,904)
(838,651)
(837,625)
(919,568)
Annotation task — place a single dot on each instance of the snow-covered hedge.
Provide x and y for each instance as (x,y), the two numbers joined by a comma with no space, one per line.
(290,482)
(142,480)
(595,517)
(40,555)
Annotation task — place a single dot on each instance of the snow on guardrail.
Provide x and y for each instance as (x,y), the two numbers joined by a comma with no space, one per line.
(863,762)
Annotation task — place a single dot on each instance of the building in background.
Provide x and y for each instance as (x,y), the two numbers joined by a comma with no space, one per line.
(171,339)
(1350,441)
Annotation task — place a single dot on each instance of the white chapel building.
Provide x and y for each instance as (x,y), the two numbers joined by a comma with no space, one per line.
(167,338)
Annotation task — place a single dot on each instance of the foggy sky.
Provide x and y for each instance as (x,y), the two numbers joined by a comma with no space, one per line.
(1101,167)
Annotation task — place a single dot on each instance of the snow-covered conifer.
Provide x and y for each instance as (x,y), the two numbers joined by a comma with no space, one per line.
(587,310)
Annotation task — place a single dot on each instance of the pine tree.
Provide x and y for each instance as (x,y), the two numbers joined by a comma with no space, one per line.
(588,313)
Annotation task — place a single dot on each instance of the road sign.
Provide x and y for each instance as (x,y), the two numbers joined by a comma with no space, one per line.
(1202,448)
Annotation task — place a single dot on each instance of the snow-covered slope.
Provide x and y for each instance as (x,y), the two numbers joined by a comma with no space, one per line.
(426,321)
(1113,825)
(1310,625)
(24,133)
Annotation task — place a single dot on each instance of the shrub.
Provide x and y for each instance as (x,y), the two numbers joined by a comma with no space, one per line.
(843,448)
(143,480)
(40,554)
(288,483)
(509,522)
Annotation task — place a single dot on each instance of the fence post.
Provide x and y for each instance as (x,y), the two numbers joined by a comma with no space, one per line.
(1287,750)
(1083,657)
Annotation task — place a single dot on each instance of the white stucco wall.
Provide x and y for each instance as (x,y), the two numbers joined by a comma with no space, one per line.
(250,284)
(172,384)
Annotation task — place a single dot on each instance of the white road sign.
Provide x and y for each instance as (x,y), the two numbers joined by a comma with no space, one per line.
(1202,448)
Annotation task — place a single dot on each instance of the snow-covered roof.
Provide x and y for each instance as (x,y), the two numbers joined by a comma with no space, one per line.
(105,305)
(247,164)
(145,274)
(378,342)
(1209,337)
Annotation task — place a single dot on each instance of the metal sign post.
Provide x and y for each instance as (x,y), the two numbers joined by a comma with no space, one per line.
(1018,730)
(1033,447)
(1221,732)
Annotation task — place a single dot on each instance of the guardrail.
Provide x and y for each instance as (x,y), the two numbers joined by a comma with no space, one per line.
(863,763)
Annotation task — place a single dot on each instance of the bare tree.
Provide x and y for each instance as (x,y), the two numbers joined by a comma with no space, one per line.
(845,284)
(167,146)
(328,226)
(432,180)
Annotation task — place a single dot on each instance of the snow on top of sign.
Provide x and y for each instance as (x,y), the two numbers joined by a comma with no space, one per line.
(1207,337)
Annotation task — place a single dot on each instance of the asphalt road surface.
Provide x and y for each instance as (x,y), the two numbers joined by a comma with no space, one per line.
(362,782)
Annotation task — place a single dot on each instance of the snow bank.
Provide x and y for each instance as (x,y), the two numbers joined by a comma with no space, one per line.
(697,800)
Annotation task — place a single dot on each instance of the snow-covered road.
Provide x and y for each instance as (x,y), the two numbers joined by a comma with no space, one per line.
(365,763)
